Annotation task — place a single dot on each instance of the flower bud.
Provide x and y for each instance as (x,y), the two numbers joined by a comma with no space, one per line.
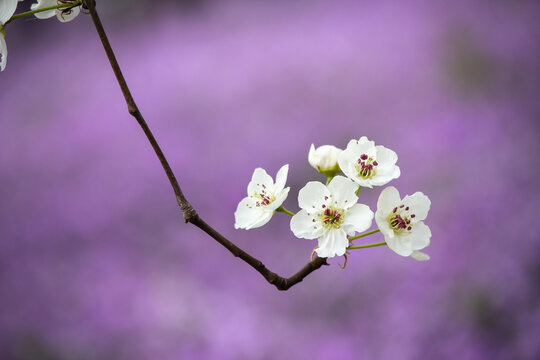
(324,159)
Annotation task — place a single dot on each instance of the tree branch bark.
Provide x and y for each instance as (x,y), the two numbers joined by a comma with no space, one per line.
(189,213)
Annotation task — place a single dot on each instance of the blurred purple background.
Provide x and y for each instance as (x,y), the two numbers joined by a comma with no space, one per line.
(96,263)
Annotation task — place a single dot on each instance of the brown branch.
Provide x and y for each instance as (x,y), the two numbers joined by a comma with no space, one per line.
(190,215)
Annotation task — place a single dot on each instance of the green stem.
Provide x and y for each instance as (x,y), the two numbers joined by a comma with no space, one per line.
(32,12)
(283,210)
(358,190)
(366,246)
(364,234)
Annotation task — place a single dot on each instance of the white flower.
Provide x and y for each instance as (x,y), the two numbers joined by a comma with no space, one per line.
(7,9)
(330,213)
(264,197)
(324,158)
(64,14)
(368,165)
(400,221)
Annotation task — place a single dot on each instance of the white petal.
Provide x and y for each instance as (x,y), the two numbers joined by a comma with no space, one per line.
(385,229)
(3,52)
(385,156)
(401,245)
(260,178)
(303,226)
(362,140)
(248,216)
(357,219)
(365,140)
(420,256)
(385,175)
(65,16)
(281,178)
(7,9)
(347,161)
(312,159)
(351,143)
(333,242)
(419,205)
(43,4)
(312,196)
(420,236)
(388,200)
(343,192)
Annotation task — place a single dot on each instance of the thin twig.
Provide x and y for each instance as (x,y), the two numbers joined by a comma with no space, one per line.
(190,215)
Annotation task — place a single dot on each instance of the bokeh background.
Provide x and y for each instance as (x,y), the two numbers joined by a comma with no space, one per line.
(96,263)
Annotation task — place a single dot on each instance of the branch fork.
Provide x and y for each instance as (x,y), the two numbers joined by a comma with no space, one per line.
(189,213)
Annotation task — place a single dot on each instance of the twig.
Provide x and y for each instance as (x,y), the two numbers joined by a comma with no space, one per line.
(190,215)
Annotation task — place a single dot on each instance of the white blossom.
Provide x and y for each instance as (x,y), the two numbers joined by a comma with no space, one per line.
(63,15)
(264,197)
(368,165)
(330,213)
(324,158)
(401,222)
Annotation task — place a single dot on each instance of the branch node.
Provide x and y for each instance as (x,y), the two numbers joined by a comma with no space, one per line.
(190,215)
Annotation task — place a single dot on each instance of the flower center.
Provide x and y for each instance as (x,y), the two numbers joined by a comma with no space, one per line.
(400,219)
(366,166)
(332,218)
(264,198)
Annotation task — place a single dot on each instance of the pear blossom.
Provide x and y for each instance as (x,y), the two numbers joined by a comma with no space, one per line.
(330,213)
(324,158)
(368,165)
(63,15)
(401,222)
(7,9)
(264,197)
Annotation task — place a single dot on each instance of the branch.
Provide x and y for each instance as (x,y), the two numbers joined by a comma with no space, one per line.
(190,215)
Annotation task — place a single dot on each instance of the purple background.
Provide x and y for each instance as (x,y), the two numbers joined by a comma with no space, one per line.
(96,263)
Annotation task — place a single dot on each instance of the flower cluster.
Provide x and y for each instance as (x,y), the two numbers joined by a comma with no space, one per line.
(65,10)
(331,213)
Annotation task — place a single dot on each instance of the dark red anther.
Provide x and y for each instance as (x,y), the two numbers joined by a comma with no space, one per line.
(413,215)
(407,208)
(395,209)
(375,163)
(363,157)
(323,206)
(409,228)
